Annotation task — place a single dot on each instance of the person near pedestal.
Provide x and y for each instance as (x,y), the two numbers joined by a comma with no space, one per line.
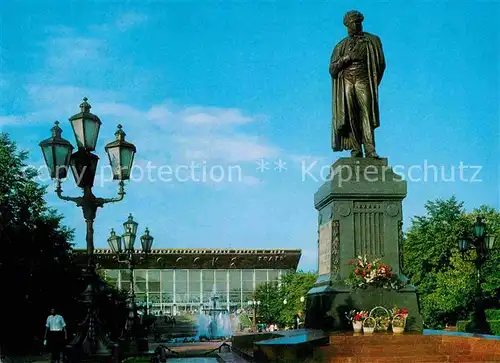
(55,335)
(297,320)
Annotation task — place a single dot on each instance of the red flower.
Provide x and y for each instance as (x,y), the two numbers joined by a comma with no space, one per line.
(404,311)
(356,271)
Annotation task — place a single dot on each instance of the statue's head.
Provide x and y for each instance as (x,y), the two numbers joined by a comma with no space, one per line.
(353,20)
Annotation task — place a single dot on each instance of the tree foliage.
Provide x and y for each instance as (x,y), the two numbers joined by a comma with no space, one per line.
(433,262)
(35,264)
(291,288)
(37,269)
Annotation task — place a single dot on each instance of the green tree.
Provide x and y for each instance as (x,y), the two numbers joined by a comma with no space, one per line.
(271,300)
(431,240)
(36,267)
(434,264)
(291,288)
(453,295)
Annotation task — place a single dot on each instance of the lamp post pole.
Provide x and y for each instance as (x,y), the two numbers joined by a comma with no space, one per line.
(91,340)
(133,332)
(482,244)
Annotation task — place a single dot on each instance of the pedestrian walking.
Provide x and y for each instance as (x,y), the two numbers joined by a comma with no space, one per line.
(55,335)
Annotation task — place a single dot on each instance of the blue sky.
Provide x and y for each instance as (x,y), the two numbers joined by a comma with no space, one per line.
(230,84)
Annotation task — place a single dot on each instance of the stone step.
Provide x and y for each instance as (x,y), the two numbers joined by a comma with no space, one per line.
(382,349)
(377,350)
(169,328)
(386,347)
(187,323)
(416,359)
(231,357)
(387,338)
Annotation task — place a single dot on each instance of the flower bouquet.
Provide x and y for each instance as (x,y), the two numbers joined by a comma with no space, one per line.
(365,273)
(399,319)
(357,318)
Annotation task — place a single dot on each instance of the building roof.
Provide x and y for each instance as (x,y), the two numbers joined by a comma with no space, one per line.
(201,258)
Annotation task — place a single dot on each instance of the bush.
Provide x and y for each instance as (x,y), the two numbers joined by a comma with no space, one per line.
(462,325)
(493,317)
(492,314)
(495,327)
(245,321)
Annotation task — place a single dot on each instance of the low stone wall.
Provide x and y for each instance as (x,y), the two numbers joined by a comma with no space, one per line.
(387,347)
(245,341)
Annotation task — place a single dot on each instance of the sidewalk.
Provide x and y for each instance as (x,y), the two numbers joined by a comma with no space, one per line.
(45,358)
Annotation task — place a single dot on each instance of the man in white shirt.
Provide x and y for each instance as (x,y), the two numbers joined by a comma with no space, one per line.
(55,335)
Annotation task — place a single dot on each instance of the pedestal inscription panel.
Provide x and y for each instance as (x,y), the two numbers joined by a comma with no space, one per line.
(325,249)
(329,249)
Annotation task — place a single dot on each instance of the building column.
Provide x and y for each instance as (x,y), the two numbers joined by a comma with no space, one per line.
(253,290)
(187,288)
(201,288)
(161,291)
(147,287)
(227,290)
(241,288)
(174,307)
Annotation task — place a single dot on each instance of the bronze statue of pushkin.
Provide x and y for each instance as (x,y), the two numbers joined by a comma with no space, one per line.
(357,65)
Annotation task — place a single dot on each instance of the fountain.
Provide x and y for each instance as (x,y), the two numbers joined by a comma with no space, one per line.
(214,322)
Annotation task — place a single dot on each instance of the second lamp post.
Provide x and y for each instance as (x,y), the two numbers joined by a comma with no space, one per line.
(123,247)
(482,244)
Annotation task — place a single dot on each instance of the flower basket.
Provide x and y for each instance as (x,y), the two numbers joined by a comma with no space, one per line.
(369,325)
(398,330)
(357,318)
(399,323)
(357,326)
(382,318)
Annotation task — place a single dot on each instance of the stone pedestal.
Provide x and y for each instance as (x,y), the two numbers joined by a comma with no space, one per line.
(360,213)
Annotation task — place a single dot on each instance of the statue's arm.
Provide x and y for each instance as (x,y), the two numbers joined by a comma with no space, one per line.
(381,60)
(338,62)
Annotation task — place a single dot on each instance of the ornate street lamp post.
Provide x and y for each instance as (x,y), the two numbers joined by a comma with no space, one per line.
(57,152)
(482,244)
(133,332)
(254,304)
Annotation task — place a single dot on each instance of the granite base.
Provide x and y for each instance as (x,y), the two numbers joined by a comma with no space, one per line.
(327,310)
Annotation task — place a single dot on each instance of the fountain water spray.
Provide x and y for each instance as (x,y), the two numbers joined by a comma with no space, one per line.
(214,322)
